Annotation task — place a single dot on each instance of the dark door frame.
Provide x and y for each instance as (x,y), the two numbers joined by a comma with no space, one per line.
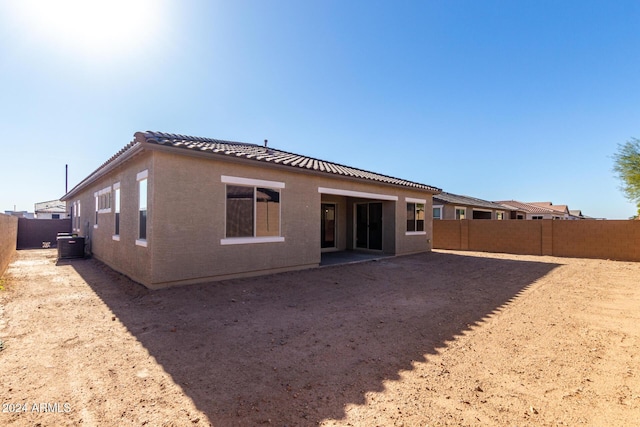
(370,228)
(326,244)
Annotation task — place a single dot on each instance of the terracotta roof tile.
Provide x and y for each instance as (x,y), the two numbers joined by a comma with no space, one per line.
(558,208)
(526,207)
(250,152)
(270,155)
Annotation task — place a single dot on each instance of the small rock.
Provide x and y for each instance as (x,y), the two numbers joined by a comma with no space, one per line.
(533,410)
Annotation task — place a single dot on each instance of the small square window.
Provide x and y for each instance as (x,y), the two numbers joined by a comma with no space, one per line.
(437,213)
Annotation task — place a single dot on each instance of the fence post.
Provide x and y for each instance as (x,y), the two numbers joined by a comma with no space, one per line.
(464,235)
(547,237)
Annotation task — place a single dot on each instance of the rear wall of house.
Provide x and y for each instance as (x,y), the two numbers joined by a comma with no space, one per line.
(186,220)
(119,252)
(189,220)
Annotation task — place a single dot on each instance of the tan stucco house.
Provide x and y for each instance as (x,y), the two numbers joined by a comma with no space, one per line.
(539,210)
(457,206)
(172,209)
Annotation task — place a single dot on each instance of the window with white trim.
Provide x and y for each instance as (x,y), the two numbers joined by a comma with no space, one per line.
(252,211)
(536,217)
(499,215)
(461,213)
(142,208)
(116,209)
(141,178)
(97,209)
(104,200)
(437,212)
(415,216)
(76,215)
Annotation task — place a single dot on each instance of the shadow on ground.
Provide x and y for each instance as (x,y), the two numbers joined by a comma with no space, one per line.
(295,348)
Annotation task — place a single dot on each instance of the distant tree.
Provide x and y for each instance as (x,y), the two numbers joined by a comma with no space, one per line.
(627,167)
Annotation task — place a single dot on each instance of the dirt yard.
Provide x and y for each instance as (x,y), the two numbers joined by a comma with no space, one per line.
(447,338)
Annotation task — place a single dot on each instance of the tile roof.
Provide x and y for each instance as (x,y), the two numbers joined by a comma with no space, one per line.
(51,206)
(258,153)
(526,207)
(558,208)
(457,199)
(246,151)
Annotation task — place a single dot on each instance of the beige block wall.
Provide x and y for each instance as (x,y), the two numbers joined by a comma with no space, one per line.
(446,234)
(505,236)
(618,240)
(8,239)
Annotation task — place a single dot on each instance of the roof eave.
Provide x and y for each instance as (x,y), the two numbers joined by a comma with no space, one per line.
(105,169)
(279,166)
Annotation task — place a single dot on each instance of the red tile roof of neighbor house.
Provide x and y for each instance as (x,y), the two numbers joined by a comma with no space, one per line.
(526,207)
(549,205)
(249,152)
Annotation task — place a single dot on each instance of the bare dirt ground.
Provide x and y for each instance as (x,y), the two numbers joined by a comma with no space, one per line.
(447,338)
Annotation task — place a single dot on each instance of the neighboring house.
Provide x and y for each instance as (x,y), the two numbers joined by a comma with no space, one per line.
(53,209)
(561,211)
(20,214)
(454,206)
(172,209)
(538,210)
(576,214)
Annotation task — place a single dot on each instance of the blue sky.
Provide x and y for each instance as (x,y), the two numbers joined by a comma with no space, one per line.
(523,100)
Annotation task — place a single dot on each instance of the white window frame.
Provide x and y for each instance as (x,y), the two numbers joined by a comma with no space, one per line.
(441,207)
(464,208)
(116,210)
(102,201)
(336,225)
(142,176)
(95,195)
(76,216)
(250,182)
(416,202)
